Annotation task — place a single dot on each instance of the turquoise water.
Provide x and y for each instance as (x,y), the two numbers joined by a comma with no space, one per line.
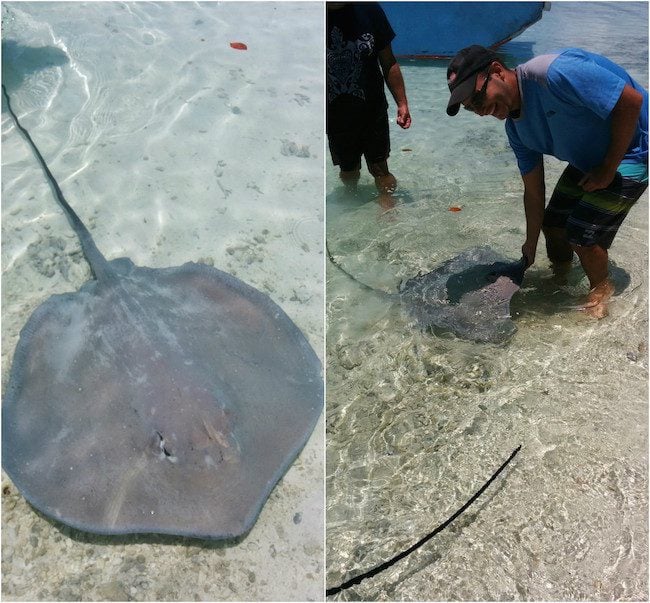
(170,146)
(417,422)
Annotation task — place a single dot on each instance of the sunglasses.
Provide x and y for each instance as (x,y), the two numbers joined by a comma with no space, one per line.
(478,98)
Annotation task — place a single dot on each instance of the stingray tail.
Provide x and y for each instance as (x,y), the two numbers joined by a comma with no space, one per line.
(98,264)
(354,278)
(405,553)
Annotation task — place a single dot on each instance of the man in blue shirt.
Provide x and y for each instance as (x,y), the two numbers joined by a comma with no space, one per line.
(581,108)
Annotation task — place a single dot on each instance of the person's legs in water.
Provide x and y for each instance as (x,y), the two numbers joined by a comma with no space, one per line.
(354,132)
(347,156)
(385,182)
(587,222)
(559,252)
(594,261)
(376,153)
(345,135)
(350,178)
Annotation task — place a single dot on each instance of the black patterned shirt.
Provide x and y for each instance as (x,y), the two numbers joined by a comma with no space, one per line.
(356,34)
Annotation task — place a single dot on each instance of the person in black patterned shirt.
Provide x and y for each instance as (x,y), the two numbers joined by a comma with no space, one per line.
(359,60)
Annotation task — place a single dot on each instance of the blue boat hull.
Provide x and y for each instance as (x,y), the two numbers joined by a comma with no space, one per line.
(441,29)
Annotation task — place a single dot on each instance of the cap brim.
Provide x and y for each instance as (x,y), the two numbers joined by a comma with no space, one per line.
(460,93)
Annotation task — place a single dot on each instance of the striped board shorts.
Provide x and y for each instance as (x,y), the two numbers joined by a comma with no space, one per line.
(592,218)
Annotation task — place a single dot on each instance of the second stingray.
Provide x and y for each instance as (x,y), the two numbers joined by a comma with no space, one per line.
(468,295)
(165,400)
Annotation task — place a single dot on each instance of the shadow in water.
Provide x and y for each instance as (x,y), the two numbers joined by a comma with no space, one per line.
(19,62)
(544,295)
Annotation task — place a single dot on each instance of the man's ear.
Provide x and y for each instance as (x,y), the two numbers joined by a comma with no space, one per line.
(497,70)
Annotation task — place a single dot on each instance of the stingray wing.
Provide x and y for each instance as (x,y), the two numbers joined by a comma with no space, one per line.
(168,401)
(468,295)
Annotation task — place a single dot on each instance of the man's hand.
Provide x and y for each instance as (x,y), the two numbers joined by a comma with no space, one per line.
(597,179)
(529,250)
(403,117)
(624,120)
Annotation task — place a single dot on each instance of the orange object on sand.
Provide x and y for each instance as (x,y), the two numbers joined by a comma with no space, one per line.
(238,46)
(454,208)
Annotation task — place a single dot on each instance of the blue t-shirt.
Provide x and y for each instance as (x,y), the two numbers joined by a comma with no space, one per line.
(566,104)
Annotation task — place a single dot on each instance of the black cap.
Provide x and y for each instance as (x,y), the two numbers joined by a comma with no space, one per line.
(462,73)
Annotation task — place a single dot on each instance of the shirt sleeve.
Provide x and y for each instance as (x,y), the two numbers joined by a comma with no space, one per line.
(577,79)
(527,159)
(383,31)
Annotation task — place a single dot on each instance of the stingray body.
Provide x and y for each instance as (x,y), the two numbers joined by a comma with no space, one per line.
(156,400)
(468,295)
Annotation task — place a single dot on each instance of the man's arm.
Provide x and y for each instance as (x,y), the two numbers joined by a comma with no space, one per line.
(625,116)
(534,203)
(395,83)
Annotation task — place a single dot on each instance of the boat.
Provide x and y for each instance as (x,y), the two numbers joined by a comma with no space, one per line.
(437,30)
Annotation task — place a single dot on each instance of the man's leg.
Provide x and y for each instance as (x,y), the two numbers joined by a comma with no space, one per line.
(384,181)
(376,151)
(591,229)
(558,250)
(345,138)
(350,178)
(594,261)
(565,197)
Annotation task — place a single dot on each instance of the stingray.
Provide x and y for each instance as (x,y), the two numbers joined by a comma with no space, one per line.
(156,400)
(468,295)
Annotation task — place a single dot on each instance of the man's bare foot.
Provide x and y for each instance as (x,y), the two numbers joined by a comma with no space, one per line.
(598,298)
(386,200)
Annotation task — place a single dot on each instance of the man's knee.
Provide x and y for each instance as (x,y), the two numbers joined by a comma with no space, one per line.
(590,251)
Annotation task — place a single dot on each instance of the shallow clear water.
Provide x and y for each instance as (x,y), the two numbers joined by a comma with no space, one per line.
(172,147)
(416,422)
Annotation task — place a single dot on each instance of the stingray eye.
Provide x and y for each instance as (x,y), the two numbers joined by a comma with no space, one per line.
(164,448)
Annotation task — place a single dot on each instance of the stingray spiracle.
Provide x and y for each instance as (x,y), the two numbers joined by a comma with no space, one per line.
(164,449)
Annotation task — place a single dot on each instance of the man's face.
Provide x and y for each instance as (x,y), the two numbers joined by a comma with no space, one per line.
(492,94)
